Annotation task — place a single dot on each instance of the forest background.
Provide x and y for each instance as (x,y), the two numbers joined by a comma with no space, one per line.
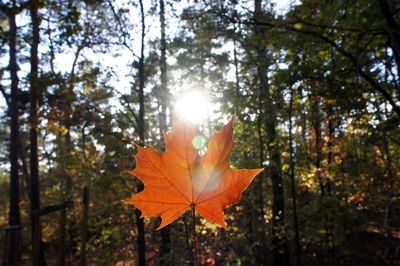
(314,85)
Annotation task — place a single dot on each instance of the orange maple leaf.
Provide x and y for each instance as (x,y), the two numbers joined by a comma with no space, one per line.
(181,179)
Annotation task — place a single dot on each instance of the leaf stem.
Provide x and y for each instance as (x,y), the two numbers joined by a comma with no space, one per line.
(195,249)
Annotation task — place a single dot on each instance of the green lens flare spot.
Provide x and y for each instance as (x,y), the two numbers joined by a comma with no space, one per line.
(199,142)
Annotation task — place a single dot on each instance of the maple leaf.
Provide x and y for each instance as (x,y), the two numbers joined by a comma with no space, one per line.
(181,179)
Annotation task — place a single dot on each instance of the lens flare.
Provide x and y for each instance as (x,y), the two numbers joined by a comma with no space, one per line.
(199,142)
(206,180)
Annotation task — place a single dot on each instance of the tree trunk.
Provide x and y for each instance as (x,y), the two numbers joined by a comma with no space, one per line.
(324,184)
(280,252)
(69,98)
(163,68)
(62,240)
(14,219)
(260,239)
(165,248)
(84,225)
(316,124)
(139,221)
(66,150)
(293,183)
(238,95)
(38,257)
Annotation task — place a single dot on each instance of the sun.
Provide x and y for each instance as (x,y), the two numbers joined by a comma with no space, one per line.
(193,106)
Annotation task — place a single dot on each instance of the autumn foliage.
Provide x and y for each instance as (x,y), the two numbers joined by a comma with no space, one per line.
(180,179)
